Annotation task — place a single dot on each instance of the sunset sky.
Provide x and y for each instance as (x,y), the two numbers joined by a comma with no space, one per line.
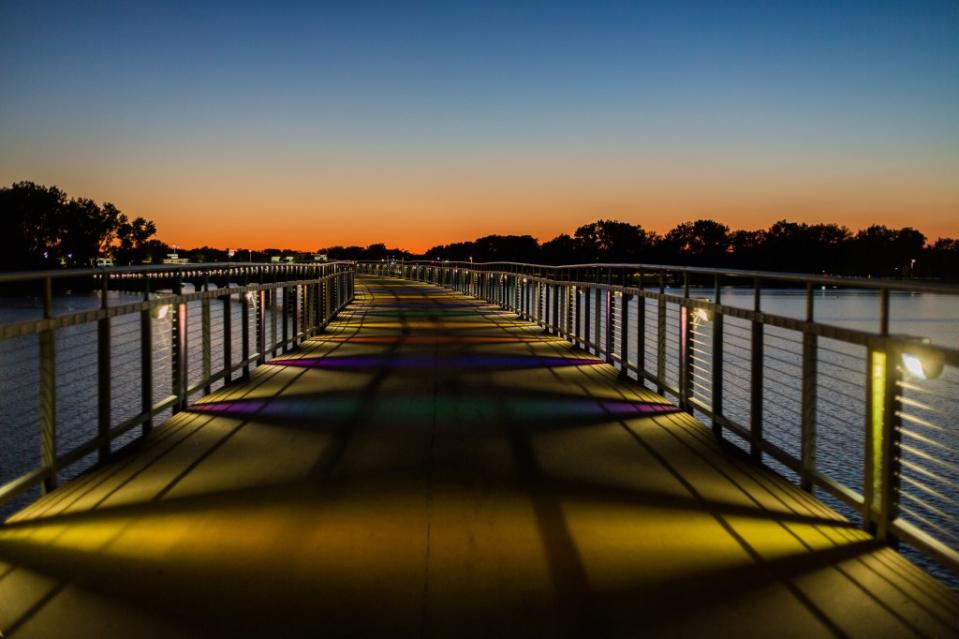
(414,124)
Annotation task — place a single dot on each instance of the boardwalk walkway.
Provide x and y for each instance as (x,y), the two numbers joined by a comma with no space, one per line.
(434,466)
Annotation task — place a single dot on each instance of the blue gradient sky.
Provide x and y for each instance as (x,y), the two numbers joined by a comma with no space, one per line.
(307,125)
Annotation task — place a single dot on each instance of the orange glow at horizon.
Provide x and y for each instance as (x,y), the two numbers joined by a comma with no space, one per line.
(416,221)
(244,197)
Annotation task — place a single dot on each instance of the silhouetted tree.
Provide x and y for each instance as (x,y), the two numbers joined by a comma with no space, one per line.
(878,250)
(491,248)
(132,237)
(941,259)
(40,227)
(29,225)
(700,243)
(153,251)
(611,241)
(562,249)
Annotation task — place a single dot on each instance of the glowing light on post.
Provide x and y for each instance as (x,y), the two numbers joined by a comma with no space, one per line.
(877,372)
(701,314)
(921,364)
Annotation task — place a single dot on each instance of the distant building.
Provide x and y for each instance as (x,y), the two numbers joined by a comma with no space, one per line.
(174,258)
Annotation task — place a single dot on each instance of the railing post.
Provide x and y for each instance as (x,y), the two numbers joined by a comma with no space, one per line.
(103,374)
(271,297)
(261,323)
(179,346)
(514,294)
(686,349)
(641,333)
(146,358)
(337,293)
(307,312)
(520,296)
(756,379)
(322,300)
(516,297)
(661,336)
(624,334)
(541,304)
(808,434)
(597,327)
(881,491)
(245,322)
(205,328)
(587,302)
(547,307)
(608,342)
(317,313)
(294,292)
(527,299)
(285,296)
(48,393)
(557,303)
(531,301)
(227,333)
(717,372)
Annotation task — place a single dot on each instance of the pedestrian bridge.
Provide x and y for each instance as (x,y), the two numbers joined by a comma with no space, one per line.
(432,464)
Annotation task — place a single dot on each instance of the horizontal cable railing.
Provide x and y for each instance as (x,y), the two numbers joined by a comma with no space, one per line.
(842,404)
(90,359)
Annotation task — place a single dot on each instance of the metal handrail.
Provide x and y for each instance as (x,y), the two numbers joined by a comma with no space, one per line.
(62,273)
(303,297)
(780,276)
(587,311)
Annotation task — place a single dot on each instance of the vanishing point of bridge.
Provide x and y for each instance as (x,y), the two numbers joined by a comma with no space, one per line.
(425,462)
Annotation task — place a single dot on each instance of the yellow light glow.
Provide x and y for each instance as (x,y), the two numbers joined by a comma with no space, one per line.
(878,382)
(923,367)
(913,366)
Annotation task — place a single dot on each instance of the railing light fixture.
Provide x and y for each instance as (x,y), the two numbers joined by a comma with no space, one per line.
(921,364)
(701,314)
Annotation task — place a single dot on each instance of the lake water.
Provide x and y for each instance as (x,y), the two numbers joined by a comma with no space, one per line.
(931,445)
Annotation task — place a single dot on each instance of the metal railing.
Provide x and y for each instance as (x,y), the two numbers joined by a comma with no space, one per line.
(88,355)
(869,416)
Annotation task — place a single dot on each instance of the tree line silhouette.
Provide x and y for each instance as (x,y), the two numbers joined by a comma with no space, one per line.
(784,246)
(40,227)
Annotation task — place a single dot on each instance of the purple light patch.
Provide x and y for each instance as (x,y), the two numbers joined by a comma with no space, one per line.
(240,407)
(425,362)
(578,407)
(642,408)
